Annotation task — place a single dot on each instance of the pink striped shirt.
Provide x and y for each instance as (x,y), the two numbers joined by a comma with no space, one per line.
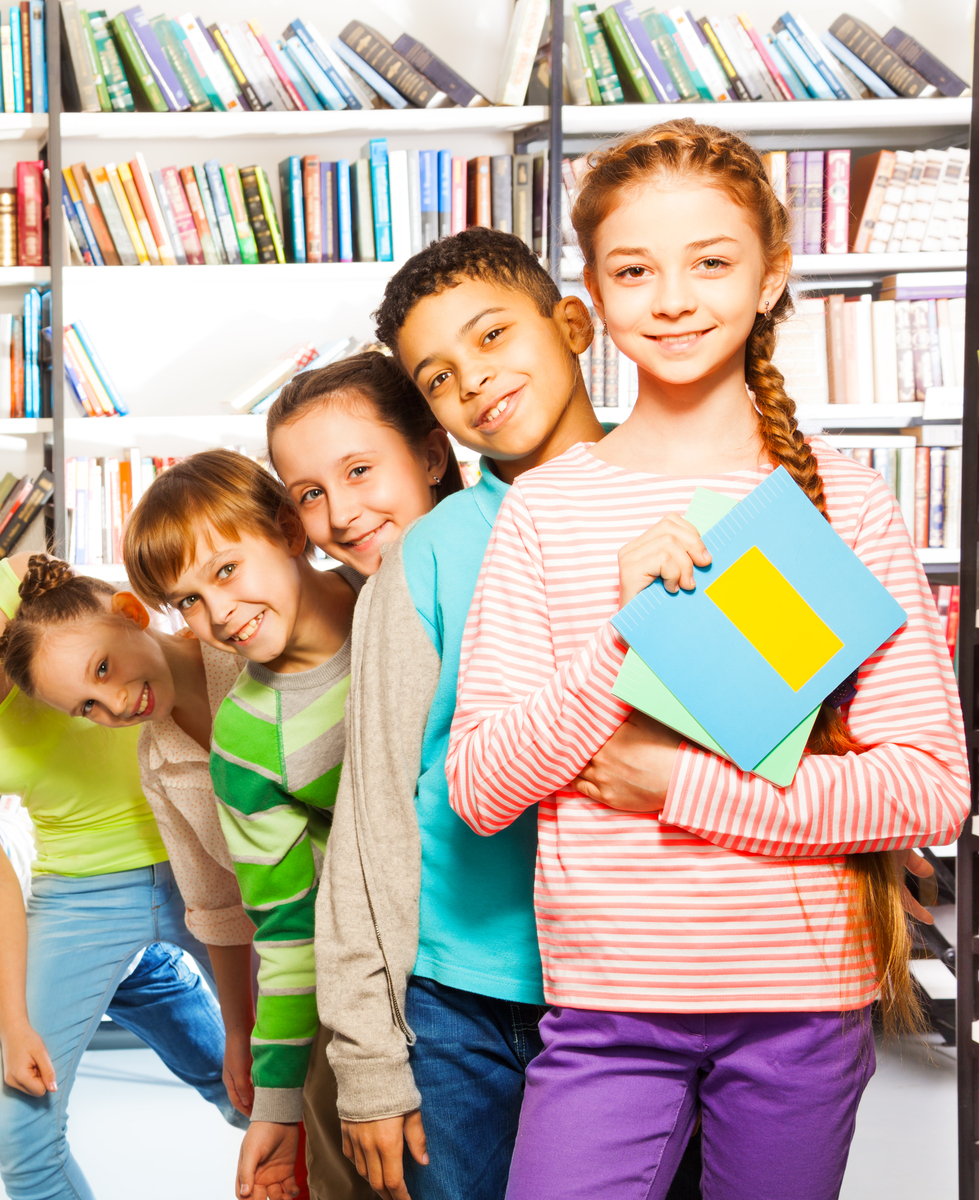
(734,898)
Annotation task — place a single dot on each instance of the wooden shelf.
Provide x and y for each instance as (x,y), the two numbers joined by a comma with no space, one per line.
(363,123)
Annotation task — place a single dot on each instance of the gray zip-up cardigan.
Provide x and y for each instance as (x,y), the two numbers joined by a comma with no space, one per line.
(367,907)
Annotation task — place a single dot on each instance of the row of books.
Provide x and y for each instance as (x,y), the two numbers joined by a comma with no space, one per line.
(22,217)
(622,54)
(612,379)
(162,64)
(857,350)
(384,206)
(25,356)
(938,496)
(23,61)
(21,502)
(892,201)
(948,602)
(87,378)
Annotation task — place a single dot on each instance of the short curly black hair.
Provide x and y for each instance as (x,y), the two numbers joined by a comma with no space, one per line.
(477,253)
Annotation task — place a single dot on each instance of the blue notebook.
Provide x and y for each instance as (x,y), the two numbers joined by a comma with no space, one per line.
(783,614)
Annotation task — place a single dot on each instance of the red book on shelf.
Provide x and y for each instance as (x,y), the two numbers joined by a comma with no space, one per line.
(184,217)
(25,41)
(30,214)
(952,624)
(312,208)
(277,67)
(836,202)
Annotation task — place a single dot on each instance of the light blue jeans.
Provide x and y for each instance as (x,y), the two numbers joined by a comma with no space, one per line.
(82,935)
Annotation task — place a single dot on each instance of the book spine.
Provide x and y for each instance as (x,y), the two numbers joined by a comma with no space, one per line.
(796,188)
(328,210)
(953,498)
(271,218)
(601,57)
(151,206)
(171,47)
(196,64)
(588,69)
(736,83)
(946,347)
(627,60)
(883,321)
(922,475)
(79,59)
(345,234)
(39,83)
(95,61)
(934,342)
(936,497)
(870,79)
(377,151)
(236,202)
(120,97)
(428,176)
(241,51)
(243,84)
(113,218)
(812,235)
(212,64)
(444,193)
(312,208)
(168,218)
(291,195)
(309,98)
(811,50)
(362,208)
(523,39)
(174,95)
(501,196)
(438,73)
(137,67)
(255,210)
(273,59)
(837,210)
(210,215)
(327,94)
(322,60)
(81,241)
(836,349)
(400,214)
(891,205)
(184,218)
(126,213)
(370,77)
(7,70)
(927,66)
(881,59)
(219,196)
(767,60)
(17,57)
(30,214)
(776,167)
(196,205)
(401,74)
(523,197)
(921,344)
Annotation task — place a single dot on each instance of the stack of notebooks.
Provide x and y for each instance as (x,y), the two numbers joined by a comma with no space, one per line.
(88,380)
(625,54)
(25,357)
(853,349)
(23,61)
(21,503)
(893,201)
(161,64)
(784,613)
(384,207)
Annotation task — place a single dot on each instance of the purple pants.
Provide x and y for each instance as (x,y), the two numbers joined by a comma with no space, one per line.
(613,1098)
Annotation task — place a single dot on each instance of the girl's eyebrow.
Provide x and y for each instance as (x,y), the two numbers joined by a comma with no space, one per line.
(710,242)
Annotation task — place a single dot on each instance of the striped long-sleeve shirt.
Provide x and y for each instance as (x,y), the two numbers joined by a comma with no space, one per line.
(734,897)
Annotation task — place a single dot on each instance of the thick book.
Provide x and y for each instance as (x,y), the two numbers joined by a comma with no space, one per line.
(378,84)
(113,74)
(380,55)
(142,80)
(271,217)
(78,59)
(163,73)
(169,217)
(138,211)
(479,192)
(352,81)
(212,64)
(126,212)
(201,224)
(210,215)
(836,212)
(812,221)
(870,79)
(243,84)
(171,47)
(445,192)
(257,66)
(869,178)
(799,31)
(785,68)
(628,65)
(345,222)
(291,196)
(329,218)
(376,153)
(766,58)
(256,214)
(926,194)
(606,76)
(523,198)
(776,164)
(501,192)
(904,352)
(236,202)
(154,213)
(312,208)
(25,41)
(884,330)
(879,57)
(30,214)
(113,218)
(30,508)
(924,62)
(428,169)
(362,210)
(523,38)
(186,226)
(924,372)
(439,73)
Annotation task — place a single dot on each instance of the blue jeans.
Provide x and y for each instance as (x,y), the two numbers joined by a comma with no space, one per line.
(82,935)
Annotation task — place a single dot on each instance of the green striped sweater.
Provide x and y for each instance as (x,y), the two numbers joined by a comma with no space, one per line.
(276,752)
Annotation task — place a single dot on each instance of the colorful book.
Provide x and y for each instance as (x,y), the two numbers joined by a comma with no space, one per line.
(138,211)
(329,218)
(75,196)
(154,213)
(172,49)
(113,218)
(345,235)
(372,78)
(376,152)
(312,208)
(222,209)
(428,177)
(445,192)
(879,57)
(625,58)
(218,81)
(291,195)
(272,220)
(261,230)
(169,218)
(166,80)
(309,98)
(196,204)
(141,77)
(386,61)
(325,92)
(210,214)
(799,31)
(236,202)
(362,208)
(39,82)
(300,30)
(126,212)
(868,78)
(113,74)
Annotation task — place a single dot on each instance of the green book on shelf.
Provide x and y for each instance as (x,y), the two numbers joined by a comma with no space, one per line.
(113,74)
(581,45)
(601,58)
(362,208)
(669,26)
(239,214)
(206,82)
(95,59)
(270,214)
(141,80)
(183,68)
(626,59)
(666,48)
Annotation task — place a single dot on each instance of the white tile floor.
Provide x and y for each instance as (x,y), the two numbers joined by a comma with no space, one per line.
(136,1130)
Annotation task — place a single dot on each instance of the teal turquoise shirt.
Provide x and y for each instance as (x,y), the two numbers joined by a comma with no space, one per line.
(477,930)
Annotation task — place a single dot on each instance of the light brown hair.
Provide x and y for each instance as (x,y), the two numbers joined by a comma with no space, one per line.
(50,594)
(216,489)
(683,150)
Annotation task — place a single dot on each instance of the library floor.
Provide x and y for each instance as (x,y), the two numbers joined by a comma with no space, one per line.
(128,1110)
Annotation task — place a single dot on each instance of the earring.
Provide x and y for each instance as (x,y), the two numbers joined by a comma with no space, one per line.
(605,327)
(437,481)
(767,305)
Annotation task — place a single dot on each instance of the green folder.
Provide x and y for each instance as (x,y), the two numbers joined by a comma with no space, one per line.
(639,686)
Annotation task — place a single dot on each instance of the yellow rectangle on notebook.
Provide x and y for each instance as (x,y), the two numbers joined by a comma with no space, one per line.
(767,610)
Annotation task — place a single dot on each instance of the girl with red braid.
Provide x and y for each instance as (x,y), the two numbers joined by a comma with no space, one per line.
(711,943)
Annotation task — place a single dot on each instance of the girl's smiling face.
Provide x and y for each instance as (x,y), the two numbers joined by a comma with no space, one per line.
(679,276)
(356,482)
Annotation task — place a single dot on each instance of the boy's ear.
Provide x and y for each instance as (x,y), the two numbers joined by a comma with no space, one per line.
(577,322)
(437,455)
(130,606)
(292,529)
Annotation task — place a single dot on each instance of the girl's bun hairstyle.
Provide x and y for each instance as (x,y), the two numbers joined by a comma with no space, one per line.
(681,151)
(51,594)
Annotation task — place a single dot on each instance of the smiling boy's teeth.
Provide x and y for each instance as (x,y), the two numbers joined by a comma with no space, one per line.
(496,410)
(246,631)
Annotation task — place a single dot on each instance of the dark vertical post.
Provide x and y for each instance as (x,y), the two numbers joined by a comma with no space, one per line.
(966,958)
(56,244)
(555,141)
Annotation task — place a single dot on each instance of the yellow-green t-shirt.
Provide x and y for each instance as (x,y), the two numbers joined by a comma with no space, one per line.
(79,781)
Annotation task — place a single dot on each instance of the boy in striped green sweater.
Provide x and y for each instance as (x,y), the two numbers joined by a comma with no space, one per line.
(217,538)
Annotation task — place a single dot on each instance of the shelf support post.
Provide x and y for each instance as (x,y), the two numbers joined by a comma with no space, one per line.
(555,147)
(56,254)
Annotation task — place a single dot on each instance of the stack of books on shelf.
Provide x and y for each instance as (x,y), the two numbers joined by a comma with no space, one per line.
(623,54)
(22,217)
(21,503)
(947,601)
(938,488)
(23,60)
(893,201)
(25,357)
(88,380)
(857,350)
(162,64)
(381,207)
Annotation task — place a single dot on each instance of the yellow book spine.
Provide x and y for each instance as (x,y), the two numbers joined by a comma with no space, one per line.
(127,214)
(142,224)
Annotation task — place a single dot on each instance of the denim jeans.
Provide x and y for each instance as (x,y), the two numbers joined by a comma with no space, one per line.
(82,935)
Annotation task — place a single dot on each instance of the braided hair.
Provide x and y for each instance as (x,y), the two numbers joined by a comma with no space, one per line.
(681,150)
(50,594)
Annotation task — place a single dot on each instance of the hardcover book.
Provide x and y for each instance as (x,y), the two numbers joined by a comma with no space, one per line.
(312,208)
(186,228)
(256,215)
(879,57)
(438,73)
(388,63)
(236,202)
(291,196)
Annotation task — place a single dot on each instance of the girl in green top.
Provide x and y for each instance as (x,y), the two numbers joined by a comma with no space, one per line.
(102,891)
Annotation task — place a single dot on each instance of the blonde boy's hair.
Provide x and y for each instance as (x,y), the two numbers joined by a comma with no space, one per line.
(215,490)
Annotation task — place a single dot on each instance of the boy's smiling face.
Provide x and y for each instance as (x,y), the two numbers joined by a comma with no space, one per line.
(500,377)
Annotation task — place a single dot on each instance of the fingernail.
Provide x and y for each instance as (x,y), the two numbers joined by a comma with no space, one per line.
(52,1087)
(425,1159)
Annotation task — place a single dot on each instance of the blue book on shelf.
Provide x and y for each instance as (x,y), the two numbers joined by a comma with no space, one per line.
(681,48)
(76,387)
(345,224)
(114,394)
(377,152)
(652,64)
(445,192)
(198,67)
(222,210)
(793,52)
(32,380)
(811,50)
(428,170)
(159,65)
(788,72)
(39,82)
(17,54)
(327,94)
(78,227)
(368,74)
(858,67)
(83,220)
(298,79)
(291,194)
(782,615)
(299,30)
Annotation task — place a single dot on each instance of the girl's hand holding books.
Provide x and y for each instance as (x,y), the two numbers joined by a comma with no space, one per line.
(632,770)
(669,551)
